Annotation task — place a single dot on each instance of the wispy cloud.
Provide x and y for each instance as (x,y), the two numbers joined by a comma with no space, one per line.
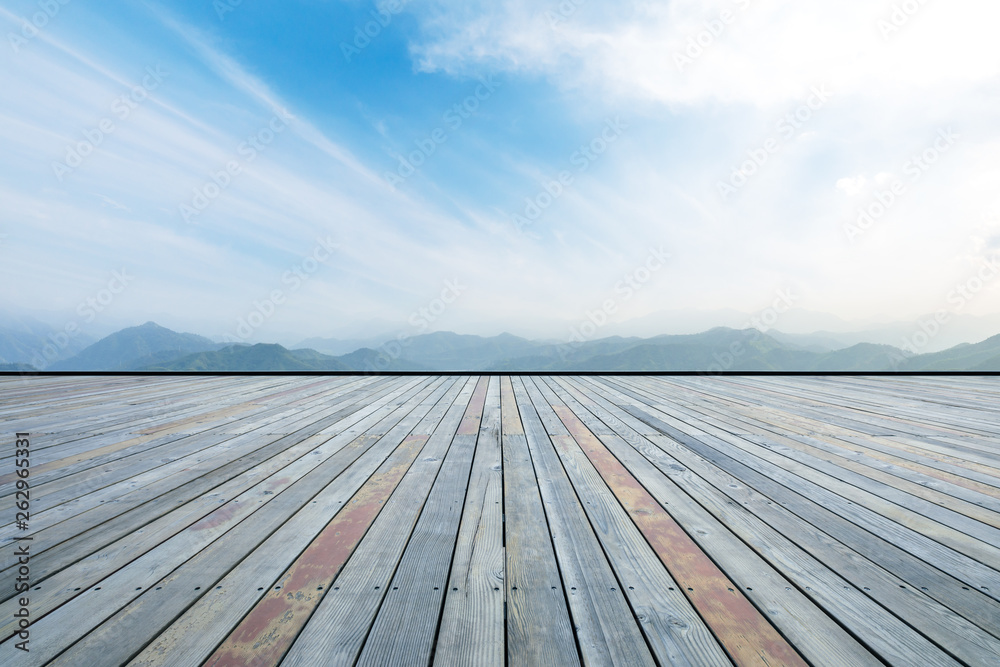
(232,72)
(697,116)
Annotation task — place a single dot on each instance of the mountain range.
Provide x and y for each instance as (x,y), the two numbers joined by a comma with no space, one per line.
(25,340)
(152,348)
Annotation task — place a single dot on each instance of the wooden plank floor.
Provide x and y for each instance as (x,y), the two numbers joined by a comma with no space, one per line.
(504,520)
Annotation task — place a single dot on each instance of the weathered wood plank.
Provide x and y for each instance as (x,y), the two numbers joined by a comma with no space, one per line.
(814,633)
(538,623)
(859,516)
(121,636)
(337,629)
(893,639)
(198,631)
(166,512)
(892,525)
(406,625)
(746,635)
(268,631)
(676,634)
(606,629)
(472,623)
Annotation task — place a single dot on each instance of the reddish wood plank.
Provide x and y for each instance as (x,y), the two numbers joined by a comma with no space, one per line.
(474,413)
(267,632)
(509,415)
(741,629)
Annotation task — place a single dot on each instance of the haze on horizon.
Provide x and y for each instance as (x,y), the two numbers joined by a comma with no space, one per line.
(335,167)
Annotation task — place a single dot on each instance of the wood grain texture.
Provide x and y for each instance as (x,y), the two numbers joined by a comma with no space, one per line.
(674,631)
(745,634)
(337,630)
(406,625)
(606,629)
(538,622)
(263,637)
(471,631)
(457,520)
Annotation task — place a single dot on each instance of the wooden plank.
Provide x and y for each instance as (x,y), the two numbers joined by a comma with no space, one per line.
(267,632)
(936,583)
(121,636)
(263,637)
(538,622)
(99,623)
(892,524)
(831,587)
(983,506)
(70,422)
(76,542)
(472,623)
(885,487)
(175,427)
(337,630)
(858,515)
(830,415)
(94,455)
(606,628)
(881,448)
(472,419)
(86,611)
(140,480)
(193,636)
(813,632)
(67,583)
(676,634)
(905,415)
(941,586)
(745,634)
(406,624)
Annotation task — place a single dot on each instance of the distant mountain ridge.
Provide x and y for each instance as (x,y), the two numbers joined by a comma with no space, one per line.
(262,356)
(136,347)
(152,348)
(719,349)
(984,356)
(26,342)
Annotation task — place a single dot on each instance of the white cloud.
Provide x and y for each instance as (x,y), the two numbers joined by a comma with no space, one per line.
(766,55)
(785,225)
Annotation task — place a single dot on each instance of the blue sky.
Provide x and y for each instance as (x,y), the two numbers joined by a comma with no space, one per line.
(560,146)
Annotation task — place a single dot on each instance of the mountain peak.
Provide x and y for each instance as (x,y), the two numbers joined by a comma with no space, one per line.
(135,346)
